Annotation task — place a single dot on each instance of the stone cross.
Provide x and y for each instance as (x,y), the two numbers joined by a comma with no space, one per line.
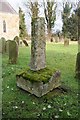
(38,44)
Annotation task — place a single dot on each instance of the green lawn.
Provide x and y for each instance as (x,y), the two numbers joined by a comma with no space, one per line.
(20,104)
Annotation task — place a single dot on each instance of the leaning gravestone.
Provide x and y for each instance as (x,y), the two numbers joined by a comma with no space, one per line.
(25,43)
(2,45)
(38,44)
(13,52)
(16,38)
(38,80)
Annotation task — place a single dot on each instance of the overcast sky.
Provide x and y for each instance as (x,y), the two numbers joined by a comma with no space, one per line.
(58,23)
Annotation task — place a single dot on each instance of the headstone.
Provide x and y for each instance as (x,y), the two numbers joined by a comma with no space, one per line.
(16,38)
(38,44)
(78,66)
(13,52)
(25,42)
(66,42)
(56,39)
(2,45)
(7,46)
(20,43)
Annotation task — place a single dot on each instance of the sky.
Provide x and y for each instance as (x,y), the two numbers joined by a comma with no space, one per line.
(58,23)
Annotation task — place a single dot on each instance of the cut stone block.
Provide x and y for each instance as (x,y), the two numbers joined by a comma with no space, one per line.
(39,88)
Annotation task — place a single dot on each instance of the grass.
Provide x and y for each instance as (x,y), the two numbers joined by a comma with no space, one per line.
(17,103)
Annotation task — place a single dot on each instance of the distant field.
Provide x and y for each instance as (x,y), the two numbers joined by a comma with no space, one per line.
(20,104)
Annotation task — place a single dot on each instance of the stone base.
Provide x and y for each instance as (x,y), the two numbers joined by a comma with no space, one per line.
(39,88)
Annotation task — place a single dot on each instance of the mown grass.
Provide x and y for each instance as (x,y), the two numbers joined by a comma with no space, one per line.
(20,104)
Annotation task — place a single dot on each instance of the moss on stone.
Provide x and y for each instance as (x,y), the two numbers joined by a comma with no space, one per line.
(43,75)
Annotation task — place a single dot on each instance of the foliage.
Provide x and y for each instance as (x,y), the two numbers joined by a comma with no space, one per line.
(72,27)
(49,15)
(49,12)
(65,16)
(71,23)
(22,27)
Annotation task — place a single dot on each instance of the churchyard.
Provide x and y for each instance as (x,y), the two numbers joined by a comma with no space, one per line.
(58,103)
(40,68)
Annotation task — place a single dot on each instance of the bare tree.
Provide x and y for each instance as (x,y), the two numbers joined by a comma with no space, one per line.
(33,8)
(49,15)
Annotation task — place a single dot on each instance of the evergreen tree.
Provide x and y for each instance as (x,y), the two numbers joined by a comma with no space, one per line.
(65,17)
(49,15)
(22,27)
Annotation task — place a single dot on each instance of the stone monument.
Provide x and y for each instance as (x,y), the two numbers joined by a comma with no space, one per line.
(38,44)
(38,80)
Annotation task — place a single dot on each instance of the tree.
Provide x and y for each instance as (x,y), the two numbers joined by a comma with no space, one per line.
(49,15)
(22,27)
(65,16)
(33,10)
(72,27)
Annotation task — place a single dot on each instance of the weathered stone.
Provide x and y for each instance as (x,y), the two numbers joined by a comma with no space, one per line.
(56,39)
(20,43)
(25,43)
(78,66)
(2,45)
(16,38)
(7,46)
(66,42)
(39,88)
(13,52)
(38,44)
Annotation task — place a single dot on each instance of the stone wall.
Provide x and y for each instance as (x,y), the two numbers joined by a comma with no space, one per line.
(12,25)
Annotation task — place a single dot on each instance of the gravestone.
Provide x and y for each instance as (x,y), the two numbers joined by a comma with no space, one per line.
(2,45)
(66,42)
(7,46)
(20,43)
(56,39)
(38,44)
(78,66)
(16,38)
(13,52)
(25,43)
